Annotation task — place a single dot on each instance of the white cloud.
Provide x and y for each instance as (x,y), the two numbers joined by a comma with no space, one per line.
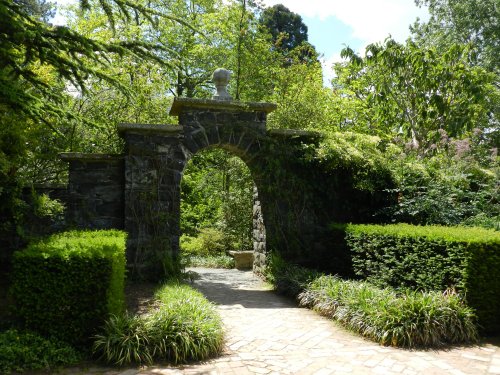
(371,20)
(327,64)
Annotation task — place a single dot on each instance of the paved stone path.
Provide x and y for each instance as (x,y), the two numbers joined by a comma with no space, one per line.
(268,334)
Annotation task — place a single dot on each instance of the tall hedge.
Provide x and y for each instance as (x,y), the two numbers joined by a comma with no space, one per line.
(65,286)
(432,258)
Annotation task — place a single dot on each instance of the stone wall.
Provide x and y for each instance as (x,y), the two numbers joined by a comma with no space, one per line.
(154,160)
(95,198)
(295,200)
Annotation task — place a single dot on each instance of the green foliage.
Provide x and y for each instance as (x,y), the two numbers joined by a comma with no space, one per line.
(12,154)
(457,184)
(432,258)
(46,207)
(210,261)
(24,351)
(414,92)
(27,44)
(208,249)
(66,285)
(287,278)
(465,21)
(40,9)
(210,241)
(184,327)
(216,204)
(302,101)
(360,154)
(286,27)
(406,319)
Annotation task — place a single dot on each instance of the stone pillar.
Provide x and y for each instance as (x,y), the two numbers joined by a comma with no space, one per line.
(259,235)
(154,160)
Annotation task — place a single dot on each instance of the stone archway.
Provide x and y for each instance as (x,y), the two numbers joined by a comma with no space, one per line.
(155,156)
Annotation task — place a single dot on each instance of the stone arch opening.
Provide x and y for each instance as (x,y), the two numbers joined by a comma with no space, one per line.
(230,218)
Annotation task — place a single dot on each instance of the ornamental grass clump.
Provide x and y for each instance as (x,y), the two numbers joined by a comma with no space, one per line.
(286,278)
(405,319)
(185,326)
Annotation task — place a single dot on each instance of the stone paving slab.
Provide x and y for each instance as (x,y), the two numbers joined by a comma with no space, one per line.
(268,334)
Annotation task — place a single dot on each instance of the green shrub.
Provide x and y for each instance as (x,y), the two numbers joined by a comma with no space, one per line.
(65,286)
(446,188)
(210,241)
(22,351)
(210,261)
(408,319)
(184,327)
(286,278)
(432,258)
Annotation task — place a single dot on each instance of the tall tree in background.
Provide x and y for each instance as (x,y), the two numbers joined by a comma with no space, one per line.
(463,21)
(40,9)
(286,27)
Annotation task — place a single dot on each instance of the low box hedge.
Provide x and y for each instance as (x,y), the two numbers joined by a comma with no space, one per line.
(432,258)
(66,285)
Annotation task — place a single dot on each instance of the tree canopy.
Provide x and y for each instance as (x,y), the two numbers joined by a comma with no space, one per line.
(32,51)
(416,92)
(475,22)
(287,29)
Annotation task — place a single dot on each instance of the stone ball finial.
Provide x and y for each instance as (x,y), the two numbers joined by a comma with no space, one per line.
(221,78)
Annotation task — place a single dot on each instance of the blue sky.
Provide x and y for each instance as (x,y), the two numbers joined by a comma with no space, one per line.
(333,24)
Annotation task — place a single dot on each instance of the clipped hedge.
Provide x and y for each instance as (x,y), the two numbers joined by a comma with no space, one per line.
(66,285)
(432,258)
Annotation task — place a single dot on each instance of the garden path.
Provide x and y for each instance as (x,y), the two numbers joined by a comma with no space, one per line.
(269,334)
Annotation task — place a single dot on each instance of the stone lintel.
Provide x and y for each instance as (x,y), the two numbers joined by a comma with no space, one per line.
(81,156)
(147,128)
(288,133)
(182,104)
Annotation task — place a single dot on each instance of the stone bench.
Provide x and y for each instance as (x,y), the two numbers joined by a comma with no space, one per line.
(243,259)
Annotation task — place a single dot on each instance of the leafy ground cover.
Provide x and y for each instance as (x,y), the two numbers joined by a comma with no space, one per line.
(404,319)
(22,351)
(400,318)
(184,326)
